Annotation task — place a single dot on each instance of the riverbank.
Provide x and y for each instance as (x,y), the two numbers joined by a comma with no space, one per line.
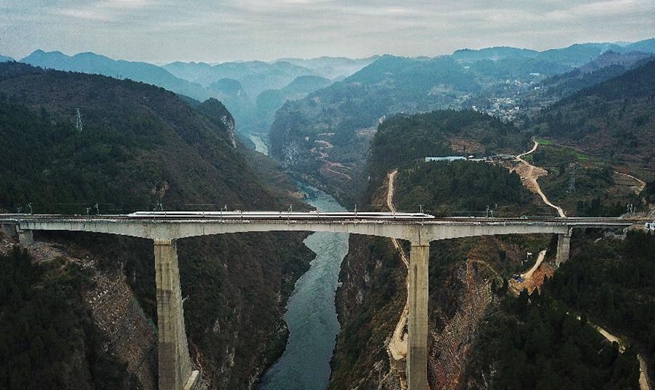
(311,314)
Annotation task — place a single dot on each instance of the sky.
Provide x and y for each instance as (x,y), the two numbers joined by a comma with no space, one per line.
(162,31)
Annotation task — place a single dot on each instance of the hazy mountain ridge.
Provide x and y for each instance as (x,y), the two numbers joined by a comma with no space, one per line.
(607,66)
(325,135)
(97,64)
(337,122)
(332,68)
(252,90)
(306,85)
(254,76)
(493,53)
(5,59)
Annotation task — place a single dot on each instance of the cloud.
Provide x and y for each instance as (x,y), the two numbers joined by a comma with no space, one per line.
(230,29)
(105,10)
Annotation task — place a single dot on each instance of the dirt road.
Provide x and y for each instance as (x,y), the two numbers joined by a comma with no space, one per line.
(397,348)
(526,276)
(643,368)
(639,187)
(391,177)
(529,176)
(643,374)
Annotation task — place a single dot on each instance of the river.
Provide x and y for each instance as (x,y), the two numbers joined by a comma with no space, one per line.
(260,145)
(311,314)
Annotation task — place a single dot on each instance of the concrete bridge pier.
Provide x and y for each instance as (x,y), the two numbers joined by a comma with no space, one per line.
(25,237)
(174,361)
(563,247)
(417,322)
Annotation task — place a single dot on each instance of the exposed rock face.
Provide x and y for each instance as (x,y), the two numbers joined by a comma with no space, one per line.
(368,315)
(371,299)
(216,112)
(117,313)
(450,344)
(113,307)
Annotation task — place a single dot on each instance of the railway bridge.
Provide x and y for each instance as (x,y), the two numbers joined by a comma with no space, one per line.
(164,228)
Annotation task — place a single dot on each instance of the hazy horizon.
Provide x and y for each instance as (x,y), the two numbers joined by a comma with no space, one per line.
(167,31)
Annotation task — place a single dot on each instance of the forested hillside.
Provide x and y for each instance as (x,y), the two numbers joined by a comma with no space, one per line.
(403,139)
(612,120)
(48,339)
(325,136)
(99,64)
(534,342)
(612,282)
(480,334)
(141,147)
(462,272)
(548,339)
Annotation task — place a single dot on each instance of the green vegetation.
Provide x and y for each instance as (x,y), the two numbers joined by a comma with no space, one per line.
(613,282)
(612,120)
(533,342)
(45,330)
(543,141)
(367,321)
(583,187)
(538,341)
(402,139)
(649,192)
(139,146)
(457,187)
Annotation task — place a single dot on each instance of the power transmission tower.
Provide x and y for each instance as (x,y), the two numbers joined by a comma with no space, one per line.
(572,180)
(78,120)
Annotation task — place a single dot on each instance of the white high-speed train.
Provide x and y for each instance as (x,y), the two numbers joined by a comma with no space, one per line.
(276,215)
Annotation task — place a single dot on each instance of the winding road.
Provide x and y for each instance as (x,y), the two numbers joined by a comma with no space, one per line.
(638,188)
(397,348)
(530,174)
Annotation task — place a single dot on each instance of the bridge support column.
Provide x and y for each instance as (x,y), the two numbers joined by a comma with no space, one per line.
(563,247)
(174,361)
(25,237)
(417,322)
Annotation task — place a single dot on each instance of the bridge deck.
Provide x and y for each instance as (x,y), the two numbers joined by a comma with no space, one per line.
(415,227)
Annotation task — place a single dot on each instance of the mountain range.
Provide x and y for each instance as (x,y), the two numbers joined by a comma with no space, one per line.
(137,147)
(97,64)
(325,136)
(236,84)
